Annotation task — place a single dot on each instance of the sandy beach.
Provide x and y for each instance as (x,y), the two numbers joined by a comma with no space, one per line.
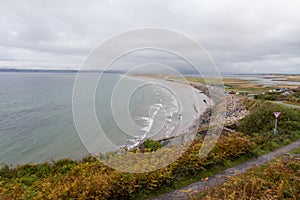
(193,103)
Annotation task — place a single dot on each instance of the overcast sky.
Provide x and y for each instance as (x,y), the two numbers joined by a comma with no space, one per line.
(240,36)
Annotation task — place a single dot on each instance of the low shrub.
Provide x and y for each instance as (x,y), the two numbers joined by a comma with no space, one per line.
(92,179)
(152,145)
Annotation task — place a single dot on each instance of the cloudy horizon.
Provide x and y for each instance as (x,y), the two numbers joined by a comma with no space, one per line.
(240,36)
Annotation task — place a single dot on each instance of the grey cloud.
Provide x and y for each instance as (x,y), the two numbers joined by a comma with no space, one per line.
(241,36)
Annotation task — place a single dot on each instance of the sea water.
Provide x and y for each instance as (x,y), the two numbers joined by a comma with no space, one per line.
(36,119)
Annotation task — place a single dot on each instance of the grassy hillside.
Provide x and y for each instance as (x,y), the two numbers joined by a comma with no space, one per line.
(90,179)
(262,121)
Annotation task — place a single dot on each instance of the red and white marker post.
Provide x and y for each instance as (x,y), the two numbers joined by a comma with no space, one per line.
(276,114)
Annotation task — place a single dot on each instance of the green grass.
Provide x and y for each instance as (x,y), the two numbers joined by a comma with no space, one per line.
(261,120)
(296,151)
(274,142)
(292,103)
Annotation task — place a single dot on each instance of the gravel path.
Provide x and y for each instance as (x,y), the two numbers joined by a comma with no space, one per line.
(196,188)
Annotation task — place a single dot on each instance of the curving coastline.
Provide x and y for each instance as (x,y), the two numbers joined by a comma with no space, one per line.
(194,105)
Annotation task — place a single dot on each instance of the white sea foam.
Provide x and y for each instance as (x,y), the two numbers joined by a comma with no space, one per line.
(148,124)
(165,100)
(134,142)
(170,105)
(154,109)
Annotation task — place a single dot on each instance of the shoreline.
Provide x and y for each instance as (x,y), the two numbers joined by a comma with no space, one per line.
(191,113)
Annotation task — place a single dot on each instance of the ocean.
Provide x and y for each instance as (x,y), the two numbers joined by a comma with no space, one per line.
(36,119)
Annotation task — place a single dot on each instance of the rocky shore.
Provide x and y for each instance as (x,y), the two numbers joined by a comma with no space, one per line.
(235,111)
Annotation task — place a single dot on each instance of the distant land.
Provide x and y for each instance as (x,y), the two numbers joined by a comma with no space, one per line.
(121,72)
(57,71)
(270,74)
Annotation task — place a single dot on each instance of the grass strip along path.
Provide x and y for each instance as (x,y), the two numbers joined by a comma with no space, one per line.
(216,180)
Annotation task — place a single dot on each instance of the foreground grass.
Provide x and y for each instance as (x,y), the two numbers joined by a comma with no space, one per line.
(185,181)
(91,179)
(276,180)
